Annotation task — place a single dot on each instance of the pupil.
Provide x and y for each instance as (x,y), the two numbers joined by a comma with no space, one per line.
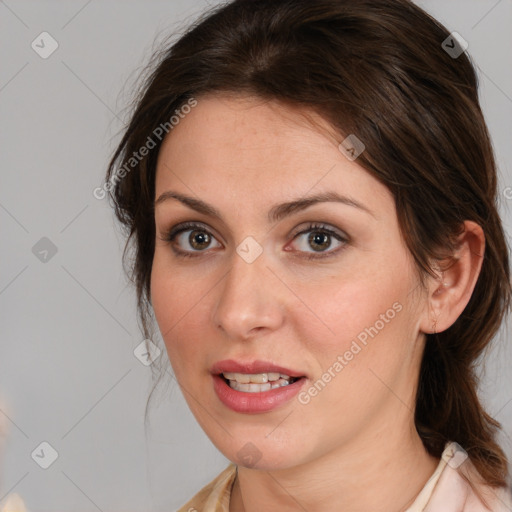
(320,239)
(198,238)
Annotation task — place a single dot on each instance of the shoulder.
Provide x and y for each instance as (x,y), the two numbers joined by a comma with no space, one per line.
(215,496)
(454,493)
(497,500)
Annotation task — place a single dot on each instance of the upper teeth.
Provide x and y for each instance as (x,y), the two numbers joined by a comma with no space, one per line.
(257,378)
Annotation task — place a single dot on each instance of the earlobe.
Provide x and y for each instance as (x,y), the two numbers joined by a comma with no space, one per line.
(450,293)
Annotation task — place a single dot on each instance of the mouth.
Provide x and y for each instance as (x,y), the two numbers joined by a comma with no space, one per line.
(254,397)
(257,382)
(255,387)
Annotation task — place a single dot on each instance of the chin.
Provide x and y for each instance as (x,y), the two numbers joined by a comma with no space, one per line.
(255,452)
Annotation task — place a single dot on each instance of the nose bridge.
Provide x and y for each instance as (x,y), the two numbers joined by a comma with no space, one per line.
(248,297)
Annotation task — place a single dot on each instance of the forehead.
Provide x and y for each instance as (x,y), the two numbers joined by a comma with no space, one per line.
(229,146)
(245,130)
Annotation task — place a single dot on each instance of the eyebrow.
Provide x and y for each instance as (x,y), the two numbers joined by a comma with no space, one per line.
(276,213)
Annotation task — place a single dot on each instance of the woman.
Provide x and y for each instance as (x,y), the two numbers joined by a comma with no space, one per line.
(310,190)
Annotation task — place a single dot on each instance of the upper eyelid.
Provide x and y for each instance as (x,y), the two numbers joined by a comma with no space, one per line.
(310,226)
(188,226)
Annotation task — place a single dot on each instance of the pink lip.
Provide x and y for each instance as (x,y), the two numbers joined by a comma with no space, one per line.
(229,365)
(248,403)
(253,403)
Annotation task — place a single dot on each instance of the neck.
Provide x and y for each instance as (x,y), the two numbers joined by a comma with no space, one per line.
(383,475)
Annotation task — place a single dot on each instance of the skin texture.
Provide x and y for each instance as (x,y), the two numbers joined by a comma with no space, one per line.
(243,155)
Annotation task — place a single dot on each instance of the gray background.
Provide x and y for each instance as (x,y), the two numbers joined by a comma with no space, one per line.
(68,375)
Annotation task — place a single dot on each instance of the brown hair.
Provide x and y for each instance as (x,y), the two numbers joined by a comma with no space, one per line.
(376,69)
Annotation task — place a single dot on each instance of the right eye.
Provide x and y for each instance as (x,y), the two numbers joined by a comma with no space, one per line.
(196,236)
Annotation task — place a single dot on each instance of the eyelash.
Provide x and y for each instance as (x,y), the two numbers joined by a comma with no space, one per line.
(171,235)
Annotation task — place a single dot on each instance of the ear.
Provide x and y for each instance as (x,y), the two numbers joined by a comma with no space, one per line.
(449,294)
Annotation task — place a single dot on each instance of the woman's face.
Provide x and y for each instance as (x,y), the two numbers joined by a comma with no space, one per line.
(326,290)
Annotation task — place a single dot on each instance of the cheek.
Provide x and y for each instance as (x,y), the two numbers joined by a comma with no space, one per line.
(172,292)
(164,295)
(367,351)
(343,308)
(180,303)
(169,299)
(366,318)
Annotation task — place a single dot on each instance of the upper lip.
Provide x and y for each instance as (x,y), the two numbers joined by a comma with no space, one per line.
(258,366)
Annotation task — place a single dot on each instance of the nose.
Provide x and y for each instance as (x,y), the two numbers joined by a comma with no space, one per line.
(251,299)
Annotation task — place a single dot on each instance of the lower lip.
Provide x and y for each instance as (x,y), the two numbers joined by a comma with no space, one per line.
(255,402)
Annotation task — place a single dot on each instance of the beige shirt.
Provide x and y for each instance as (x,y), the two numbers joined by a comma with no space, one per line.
(445,491)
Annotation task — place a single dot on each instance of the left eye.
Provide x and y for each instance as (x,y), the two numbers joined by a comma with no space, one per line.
(320,239)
